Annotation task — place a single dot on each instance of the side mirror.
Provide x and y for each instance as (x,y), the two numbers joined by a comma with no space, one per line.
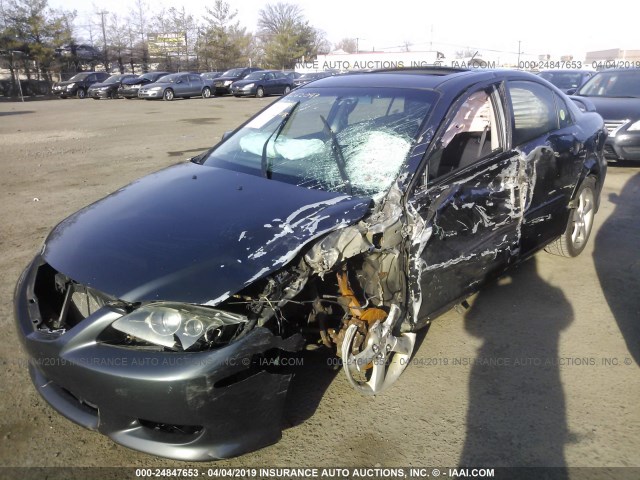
(571,91)
(584,104)
(178,81)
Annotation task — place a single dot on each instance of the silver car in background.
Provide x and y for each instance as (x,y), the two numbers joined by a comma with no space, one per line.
(176,85)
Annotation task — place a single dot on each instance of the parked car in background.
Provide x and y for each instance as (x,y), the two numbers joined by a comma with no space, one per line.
(263,83)
(292,74)
(345,216)
(81,51)
(129,88)
(209,77)
(78,84)
(567,80)
(108,88)
(310,77)
(183,85)
(615,94)
(223,83)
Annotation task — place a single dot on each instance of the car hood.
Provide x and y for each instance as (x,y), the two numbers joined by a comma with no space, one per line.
(134,81)
(64,84)
(100,85)
(147,86)
(224,79)
(242,83)
(193,233)
(616,108)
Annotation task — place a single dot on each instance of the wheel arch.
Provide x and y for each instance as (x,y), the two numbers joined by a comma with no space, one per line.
(591,168)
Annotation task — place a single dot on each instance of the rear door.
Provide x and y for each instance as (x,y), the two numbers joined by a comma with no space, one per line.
(270,84)
(280,81)
(468,209)
(545,132)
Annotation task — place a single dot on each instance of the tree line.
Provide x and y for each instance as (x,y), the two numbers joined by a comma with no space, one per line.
(42,43)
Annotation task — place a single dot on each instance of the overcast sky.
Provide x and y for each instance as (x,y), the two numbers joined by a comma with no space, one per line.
(542,26)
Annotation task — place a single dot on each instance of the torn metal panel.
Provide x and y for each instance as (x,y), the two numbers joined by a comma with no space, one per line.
(466,228)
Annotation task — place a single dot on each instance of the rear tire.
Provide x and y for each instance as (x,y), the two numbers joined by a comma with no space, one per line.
(574,239)
(168,95)
(287,89)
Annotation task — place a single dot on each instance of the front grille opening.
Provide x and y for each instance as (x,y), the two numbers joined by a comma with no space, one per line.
(172,429)
(62,302)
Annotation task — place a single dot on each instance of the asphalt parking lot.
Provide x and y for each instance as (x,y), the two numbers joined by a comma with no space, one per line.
(542,370)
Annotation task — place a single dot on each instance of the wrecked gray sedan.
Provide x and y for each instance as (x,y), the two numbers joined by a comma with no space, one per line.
(344,216)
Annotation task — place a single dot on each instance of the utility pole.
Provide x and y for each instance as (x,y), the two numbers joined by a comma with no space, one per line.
(519,42)
(431,42)
(104,39)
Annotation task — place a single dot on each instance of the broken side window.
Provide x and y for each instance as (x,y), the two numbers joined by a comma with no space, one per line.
(472,134)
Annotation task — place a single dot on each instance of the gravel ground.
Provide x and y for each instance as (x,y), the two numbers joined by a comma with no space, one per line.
(542,370)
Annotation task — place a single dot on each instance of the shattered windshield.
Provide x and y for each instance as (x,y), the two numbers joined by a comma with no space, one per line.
(351,140)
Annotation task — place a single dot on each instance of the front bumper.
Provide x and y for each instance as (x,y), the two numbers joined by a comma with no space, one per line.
(128,92)
(244,92)
(98,93)
(623,146)
(64,92)
(188,406)
(221,89)
(150,93)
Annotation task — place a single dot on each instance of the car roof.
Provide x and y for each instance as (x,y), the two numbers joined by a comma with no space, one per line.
(422,78)
(612,70)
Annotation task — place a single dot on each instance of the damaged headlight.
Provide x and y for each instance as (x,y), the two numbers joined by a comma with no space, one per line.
(175,325)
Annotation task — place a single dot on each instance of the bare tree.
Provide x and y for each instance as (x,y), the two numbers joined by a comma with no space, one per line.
(349,45)
(140,23)
(185,29)
(117,34)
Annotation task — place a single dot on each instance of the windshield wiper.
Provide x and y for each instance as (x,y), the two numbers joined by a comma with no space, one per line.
(265,165)
(340,161)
